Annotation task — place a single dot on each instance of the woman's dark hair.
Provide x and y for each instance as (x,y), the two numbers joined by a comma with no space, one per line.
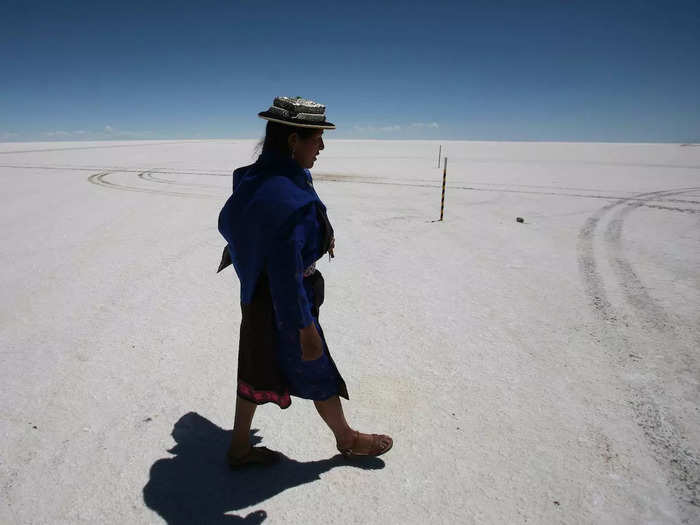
(276,136)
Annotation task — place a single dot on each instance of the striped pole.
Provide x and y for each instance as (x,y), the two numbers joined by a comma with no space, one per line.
(439,155)
(444,178)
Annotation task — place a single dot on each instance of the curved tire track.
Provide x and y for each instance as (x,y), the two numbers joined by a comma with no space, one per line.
(99,179)
(588,266)
(648,309)
(636,293)
(659,427)
(148,176)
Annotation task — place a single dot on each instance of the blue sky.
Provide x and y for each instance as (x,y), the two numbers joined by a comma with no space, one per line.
(559,71)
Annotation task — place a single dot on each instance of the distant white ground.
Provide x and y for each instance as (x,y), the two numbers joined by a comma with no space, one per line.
(538,372)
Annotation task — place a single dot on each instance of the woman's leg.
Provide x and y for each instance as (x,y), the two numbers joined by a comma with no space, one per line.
(240,442)
(332,413)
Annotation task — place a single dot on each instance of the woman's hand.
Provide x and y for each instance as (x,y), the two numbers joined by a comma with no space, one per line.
(311,343)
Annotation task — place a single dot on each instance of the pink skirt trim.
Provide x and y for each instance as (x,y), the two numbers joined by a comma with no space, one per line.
(263,396)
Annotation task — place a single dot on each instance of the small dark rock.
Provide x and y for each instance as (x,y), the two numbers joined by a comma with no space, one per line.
(34,427)
(519,219)
(556,503)
(148,419)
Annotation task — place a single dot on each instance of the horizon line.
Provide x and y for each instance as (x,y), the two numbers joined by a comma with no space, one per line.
(329,139)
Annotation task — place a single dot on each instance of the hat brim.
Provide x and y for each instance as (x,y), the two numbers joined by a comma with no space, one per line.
(272,117)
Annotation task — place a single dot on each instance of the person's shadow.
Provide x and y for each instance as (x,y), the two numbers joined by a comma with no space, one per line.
(197,486)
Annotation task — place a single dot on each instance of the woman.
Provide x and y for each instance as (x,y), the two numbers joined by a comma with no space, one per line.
(277,228)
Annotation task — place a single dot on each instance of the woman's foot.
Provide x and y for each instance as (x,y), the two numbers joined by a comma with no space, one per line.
(251,456)
(357,444)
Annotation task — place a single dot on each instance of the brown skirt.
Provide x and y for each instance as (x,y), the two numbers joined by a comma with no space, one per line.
(260,375)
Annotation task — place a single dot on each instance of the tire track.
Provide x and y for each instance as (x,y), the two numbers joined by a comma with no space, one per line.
(421,183)
(647,308)
(500,160)
(660,429)
(368,180)
(658,425)
(99,179)
(588,266)
(667,443)
(148,176)
(672,208)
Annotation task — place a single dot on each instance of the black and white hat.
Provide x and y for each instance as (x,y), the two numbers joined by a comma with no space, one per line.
(297,112)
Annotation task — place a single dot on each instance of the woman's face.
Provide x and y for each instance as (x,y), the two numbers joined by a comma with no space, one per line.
(306,150)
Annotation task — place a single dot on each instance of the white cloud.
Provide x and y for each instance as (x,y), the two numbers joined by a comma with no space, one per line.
(125,133)
(107,132)
(370,129)
(133,133)
(62,133)
(425,125)
(58,133)
(391,128)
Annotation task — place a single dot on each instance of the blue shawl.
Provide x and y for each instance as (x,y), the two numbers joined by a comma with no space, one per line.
(266,195)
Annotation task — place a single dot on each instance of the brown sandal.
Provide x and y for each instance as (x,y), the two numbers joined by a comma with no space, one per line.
(254,456)
(381,443)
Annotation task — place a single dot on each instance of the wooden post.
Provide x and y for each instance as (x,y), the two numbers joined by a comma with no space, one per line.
(444,178)
(439,155)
